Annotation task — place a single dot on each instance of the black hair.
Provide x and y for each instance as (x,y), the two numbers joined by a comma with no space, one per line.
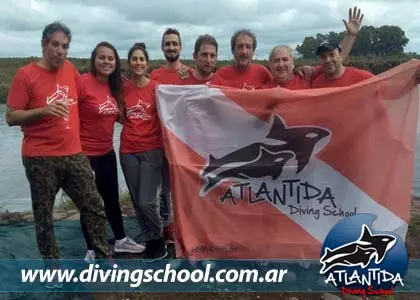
(243,32)
(138,46)
(204,39)
(52,28)
(115,78)
(171,31)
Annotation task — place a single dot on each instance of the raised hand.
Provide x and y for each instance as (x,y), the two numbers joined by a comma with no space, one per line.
(354,21)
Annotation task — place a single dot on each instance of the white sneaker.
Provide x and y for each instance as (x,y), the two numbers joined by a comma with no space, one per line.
(90,257)
(127,245)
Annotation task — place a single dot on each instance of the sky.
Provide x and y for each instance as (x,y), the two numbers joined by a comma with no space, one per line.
(124,22)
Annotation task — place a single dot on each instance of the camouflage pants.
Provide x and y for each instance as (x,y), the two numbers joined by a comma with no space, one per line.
(46,175)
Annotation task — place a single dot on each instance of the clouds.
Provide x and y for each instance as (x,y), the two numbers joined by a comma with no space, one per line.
(125,22)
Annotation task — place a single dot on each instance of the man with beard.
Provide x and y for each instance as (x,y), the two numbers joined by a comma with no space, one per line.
(205,59)
(243,73)
(205,55)
(171,47)
(334,73)
(282,58)
(246,75)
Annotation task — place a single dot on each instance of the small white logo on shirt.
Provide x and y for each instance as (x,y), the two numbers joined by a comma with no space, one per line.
(139,111)
(248,87)
(109,107)
(61,94)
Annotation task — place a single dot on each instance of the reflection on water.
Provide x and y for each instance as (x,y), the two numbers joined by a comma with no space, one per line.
(14,188)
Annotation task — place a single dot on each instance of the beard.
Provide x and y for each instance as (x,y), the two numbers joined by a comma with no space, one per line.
(171,58)
(204,72)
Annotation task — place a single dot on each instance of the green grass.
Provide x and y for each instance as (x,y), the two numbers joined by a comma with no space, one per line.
(125,199)
(65,203)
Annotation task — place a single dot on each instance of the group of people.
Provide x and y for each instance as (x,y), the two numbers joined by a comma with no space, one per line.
(68,126)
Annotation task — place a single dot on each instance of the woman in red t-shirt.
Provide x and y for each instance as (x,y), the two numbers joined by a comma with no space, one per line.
(100,103)
(141,149)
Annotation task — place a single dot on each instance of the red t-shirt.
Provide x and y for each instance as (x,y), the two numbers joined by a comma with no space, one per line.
(350,76)
(296,83)
(252,78)
(98,112)
(35,87)
(141,131)
(165,76)
(191,80)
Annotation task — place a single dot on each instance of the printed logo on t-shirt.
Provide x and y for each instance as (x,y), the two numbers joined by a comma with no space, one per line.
(248,87)
(109,107)
(61,94)
(139,111)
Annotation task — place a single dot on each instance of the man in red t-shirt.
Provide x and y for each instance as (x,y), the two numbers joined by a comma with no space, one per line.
(334,73)
(43,100)
(281,58)
(243,73)
(171,47)
(205,59)
(168,74)
(281,61)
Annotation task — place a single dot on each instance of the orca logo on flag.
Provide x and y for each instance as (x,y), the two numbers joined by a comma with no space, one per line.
(360,261)
(267,158)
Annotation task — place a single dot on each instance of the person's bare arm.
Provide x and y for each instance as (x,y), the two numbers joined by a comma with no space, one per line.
(353,28)
(19,117)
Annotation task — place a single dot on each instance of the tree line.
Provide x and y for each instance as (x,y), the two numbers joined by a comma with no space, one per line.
(376,49)
(379,41)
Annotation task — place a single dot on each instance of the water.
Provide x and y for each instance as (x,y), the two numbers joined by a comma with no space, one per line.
(14,188)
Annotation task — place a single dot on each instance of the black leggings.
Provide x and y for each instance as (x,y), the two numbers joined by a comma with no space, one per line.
(106,178)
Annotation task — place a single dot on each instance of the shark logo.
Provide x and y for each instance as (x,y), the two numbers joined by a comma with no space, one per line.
(281,146)
(109,107)
(359,257)
(358,260)
(139,111)
(61,93)
(359,252)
